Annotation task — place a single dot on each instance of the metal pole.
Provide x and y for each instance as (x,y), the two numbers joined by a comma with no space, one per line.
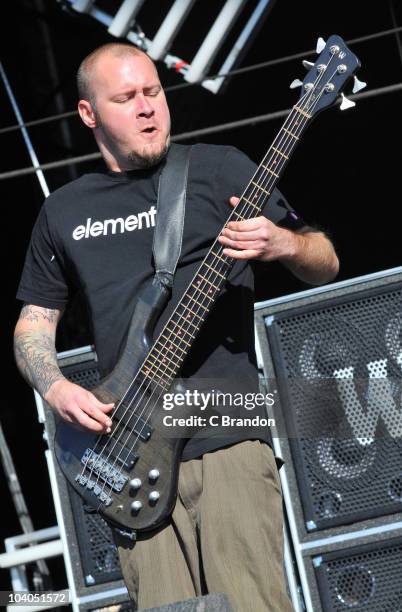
(25,134)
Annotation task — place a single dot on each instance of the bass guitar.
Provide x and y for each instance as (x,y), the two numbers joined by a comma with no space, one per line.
(130,475)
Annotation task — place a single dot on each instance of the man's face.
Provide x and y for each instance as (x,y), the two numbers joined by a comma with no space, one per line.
(133,121)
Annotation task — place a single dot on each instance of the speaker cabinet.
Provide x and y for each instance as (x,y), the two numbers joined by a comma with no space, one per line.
(333,358)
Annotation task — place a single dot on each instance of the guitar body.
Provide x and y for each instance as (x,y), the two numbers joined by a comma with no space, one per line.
(103,479)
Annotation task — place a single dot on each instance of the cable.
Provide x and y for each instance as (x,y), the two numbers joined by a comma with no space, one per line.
(195,133)
(12,128)
(280,60)
(51,165)
(235,72)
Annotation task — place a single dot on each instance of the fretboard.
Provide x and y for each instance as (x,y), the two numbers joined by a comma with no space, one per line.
(176,338)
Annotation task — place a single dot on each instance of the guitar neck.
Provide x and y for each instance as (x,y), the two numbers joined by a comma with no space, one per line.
(175,340)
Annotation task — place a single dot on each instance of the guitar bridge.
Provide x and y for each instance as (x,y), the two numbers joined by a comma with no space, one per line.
(97,489)
(107,472)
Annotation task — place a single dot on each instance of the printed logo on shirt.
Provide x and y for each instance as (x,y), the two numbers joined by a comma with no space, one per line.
(93,229)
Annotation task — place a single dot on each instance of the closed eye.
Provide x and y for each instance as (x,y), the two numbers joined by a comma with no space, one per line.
(152,92)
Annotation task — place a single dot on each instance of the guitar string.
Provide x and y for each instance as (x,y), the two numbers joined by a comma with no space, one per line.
(180,316)
(197,288)
(169,339)
(296,124)
(170,334)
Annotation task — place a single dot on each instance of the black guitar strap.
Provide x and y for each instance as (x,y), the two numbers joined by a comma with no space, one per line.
(171,207)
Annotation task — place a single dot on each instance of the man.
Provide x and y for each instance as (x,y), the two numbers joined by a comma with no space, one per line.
(95,235)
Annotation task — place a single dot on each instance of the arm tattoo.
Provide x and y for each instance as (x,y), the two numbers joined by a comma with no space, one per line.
(36,314)
(35,354)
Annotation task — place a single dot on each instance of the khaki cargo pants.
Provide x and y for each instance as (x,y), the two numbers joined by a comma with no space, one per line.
(225,535)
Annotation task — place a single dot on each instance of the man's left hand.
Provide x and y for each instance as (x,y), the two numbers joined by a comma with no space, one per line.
(257,238)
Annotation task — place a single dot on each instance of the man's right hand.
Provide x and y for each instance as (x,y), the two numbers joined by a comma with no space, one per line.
(78,406)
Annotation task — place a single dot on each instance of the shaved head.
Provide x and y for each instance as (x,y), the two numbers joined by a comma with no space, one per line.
(86,72)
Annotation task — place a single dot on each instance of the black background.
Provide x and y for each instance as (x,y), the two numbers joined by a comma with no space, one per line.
(344,176)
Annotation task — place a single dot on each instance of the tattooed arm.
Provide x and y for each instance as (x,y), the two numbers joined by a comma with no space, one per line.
(35,354)
(34,346)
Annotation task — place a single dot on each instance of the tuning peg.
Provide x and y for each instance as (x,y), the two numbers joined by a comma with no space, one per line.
(358,85)
(320,45)
(307,64)
(346,103)
(295,83)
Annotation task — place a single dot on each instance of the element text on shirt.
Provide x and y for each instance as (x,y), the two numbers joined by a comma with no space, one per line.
(93,229)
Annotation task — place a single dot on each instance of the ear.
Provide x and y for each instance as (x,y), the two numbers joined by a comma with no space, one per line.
(86,113)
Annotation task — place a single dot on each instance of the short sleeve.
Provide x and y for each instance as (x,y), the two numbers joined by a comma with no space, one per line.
(236,172)
(278,210)
(43,281)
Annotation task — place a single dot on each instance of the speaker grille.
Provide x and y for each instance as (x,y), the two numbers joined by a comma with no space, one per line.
(338,366)
(366,578)
(98,552)
(85,374)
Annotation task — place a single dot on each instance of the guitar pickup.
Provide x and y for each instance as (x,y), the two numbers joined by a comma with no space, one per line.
(137,425)
(122,455)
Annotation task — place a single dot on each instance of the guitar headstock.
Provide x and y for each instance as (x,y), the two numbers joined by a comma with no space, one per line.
(327,77)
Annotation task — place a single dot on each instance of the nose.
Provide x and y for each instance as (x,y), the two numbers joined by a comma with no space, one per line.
(144,107)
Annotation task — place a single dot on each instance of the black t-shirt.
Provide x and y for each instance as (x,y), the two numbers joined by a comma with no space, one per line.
(95,235)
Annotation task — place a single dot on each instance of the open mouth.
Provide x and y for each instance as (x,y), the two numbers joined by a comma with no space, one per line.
(149,130)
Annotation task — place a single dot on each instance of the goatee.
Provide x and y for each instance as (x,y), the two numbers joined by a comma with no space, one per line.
(148,160)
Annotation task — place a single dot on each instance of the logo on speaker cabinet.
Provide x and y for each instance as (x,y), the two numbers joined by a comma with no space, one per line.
(383,396)
(370,393)
(382,401)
